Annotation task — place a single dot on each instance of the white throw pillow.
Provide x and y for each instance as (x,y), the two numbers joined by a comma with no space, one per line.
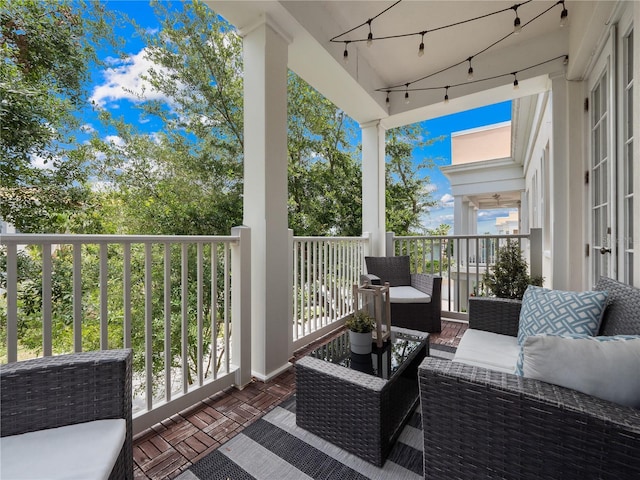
(605,367)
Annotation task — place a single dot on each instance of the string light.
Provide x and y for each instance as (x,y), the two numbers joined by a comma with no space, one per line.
(406,87)
(517,26)
(387,101)
(564,15)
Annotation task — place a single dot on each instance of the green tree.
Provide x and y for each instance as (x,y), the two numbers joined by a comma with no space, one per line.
(47,47)
(408,196)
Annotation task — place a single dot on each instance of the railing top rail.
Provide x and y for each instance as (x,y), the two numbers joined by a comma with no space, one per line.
(329,239)
(483,236)
(29,238)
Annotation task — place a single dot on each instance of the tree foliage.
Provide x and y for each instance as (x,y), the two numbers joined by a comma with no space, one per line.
(47,47)
(408,197)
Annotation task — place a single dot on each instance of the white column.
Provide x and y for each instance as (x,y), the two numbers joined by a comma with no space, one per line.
(373,185)
(473,220)
(460,215)
(569,264)
(560,184)
(265,196)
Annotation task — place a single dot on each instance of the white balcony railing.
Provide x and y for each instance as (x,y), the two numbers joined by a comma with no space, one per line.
(462,261)
(324,271)
(167,297)
(175,299)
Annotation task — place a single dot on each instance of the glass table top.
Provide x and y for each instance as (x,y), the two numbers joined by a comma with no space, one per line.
(382,362)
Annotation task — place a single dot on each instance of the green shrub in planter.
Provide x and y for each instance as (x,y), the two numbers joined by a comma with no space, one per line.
(509,277)
(360,322)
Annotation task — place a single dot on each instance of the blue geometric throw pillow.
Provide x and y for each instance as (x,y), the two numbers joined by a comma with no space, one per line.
(560,312)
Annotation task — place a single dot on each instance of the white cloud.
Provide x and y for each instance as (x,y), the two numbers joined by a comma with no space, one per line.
(87,128)
(114,140)
(447,200)
(124,81)
(41,163)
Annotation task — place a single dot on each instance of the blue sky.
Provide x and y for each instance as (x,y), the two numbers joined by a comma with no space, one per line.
(112,89)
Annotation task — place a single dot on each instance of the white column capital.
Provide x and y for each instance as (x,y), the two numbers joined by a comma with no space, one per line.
(373,123)
(265,19)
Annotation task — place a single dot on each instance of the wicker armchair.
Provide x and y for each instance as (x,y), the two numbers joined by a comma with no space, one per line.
(64,390)
(482,424)
(425,317)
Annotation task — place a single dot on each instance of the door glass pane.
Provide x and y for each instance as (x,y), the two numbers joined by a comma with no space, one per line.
(604,139)
(629,224)
(596,186)
(629,43)
(596,104)
(597,233)
(629,169)
(629,115)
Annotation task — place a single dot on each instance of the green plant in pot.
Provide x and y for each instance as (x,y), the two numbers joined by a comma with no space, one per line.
(509,277)
(360,325)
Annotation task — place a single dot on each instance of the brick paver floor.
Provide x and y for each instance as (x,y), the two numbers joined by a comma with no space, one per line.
(170,447)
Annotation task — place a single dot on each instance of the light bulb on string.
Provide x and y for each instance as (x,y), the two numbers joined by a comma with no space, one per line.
(470,71)
(387,101)
(517,25)
(515,81)
(565,60)
(370,36)
(564,15)
(446,95)
(345,55)
(421,47)
(406,95)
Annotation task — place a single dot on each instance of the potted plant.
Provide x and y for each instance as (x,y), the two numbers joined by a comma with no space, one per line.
(510,277)
(360,325)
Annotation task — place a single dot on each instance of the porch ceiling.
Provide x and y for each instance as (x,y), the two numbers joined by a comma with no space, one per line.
(387,63)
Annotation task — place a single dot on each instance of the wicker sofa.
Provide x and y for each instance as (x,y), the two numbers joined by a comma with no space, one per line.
(480,423)
(415,298)
(47,396)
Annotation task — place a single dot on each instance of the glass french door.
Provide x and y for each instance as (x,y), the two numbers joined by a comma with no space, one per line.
(602,173)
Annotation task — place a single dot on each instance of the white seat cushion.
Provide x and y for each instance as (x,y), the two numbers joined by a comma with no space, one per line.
(488,350)
(84,451)
(407,294)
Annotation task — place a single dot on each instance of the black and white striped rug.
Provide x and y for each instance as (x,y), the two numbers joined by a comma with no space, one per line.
(275,448)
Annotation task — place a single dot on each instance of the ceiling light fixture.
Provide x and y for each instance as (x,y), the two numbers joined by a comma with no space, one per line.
(564,15)
(517,25)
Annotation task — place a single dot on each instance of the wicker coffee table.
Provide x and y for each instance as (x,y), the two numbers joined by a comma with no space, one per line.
(360,402)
